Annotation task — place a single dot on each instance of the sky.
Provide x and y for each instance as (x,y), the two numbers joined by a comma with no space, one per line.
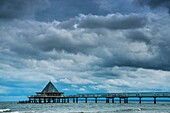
(84,46)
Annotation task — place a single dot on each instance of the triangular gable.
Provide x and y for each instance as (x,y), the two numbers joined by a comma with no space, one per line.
(50,88)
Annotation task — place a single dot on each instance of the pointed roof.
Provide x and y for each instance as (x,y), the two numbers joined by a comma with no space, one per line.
(50,88)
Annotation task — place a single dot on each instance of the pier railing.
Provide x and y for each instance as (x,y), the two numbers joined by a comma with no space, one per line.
(107,96)
(130,95)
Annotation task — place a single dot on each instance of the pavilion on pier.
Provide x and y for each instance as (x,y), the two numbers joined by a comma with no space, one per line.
(49,94)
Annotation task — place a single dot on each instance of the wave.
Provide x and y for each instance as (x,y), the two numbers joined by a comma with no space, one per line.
(15,112)
(5,110)
(129,109)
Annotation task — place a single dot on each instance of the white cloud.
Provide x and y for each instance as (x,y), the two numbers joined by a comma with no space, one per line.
(82,89)
(118,82)
(76,80)
(65,89)
(97,87)
(75,86)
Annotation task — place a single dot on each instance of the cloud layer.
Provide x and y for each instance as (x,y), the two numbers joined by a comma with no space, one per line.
(83,52)
(154,3)
(10,9)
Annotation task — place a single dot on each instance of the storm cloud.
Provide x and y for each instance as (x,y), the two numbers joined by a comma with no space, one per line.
(104,43)
(79,48)
(154,3)
(115,21)
(10,9)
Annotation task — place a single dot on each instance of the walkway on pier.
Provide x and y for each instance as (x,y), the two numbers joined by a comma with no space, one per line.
(125,96)
(109,97)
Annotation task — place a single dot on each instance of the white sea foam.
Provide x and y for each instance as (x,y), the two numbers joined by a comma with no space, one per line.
(5,110)
(15,112)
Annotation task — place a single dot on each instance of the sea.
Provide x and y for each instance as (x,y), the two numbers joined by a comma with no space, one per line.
(90,107)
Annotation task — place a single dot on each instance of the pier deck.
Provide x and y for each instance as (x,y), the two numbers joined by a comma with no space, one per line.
(109,97)
(130,95)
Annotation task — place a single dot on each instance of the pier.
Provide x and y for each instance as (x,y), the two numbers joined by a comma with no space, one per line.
(108,97)
(51,95)
(124,97)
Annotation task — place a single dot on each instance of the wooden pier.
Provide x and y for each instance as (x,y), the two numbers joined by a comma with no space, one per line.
(108,97)
(51,95)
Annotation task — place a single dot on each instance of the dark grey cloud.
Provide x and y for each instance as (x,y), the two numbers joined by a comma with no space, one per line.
(64,9)
(120,6)
(154,3)
(110,21)
(10,9)
(106,73)
(138,36)
(49,10)
(131,46)
(115,21)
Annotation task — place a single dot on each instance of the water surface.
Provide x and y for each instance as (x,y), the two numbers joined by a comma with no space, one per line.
(90,107)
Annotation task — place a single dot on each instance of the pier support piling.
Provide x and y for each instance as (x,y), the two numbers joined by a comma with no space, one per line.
(68,100)
(39,100)
(154,100)
(113,100)
(44,100)
(58,100)
(107,99)
(76,99)
(48,100)
(85,99)
(120,100)
(73,100)
(126,100)
(140,100)
(62,100)
(95,99)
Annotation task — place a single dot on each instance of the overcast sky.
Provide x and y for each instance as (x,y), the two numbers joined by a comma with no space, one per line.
(84,46)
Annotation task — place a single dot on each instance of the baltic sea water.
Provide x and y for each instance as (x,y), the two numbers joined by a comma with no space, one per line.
(90,107)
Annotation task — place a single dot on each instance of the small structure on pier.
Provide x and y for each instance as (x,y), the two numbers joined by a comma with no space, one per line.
(50,90)
(48,94)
